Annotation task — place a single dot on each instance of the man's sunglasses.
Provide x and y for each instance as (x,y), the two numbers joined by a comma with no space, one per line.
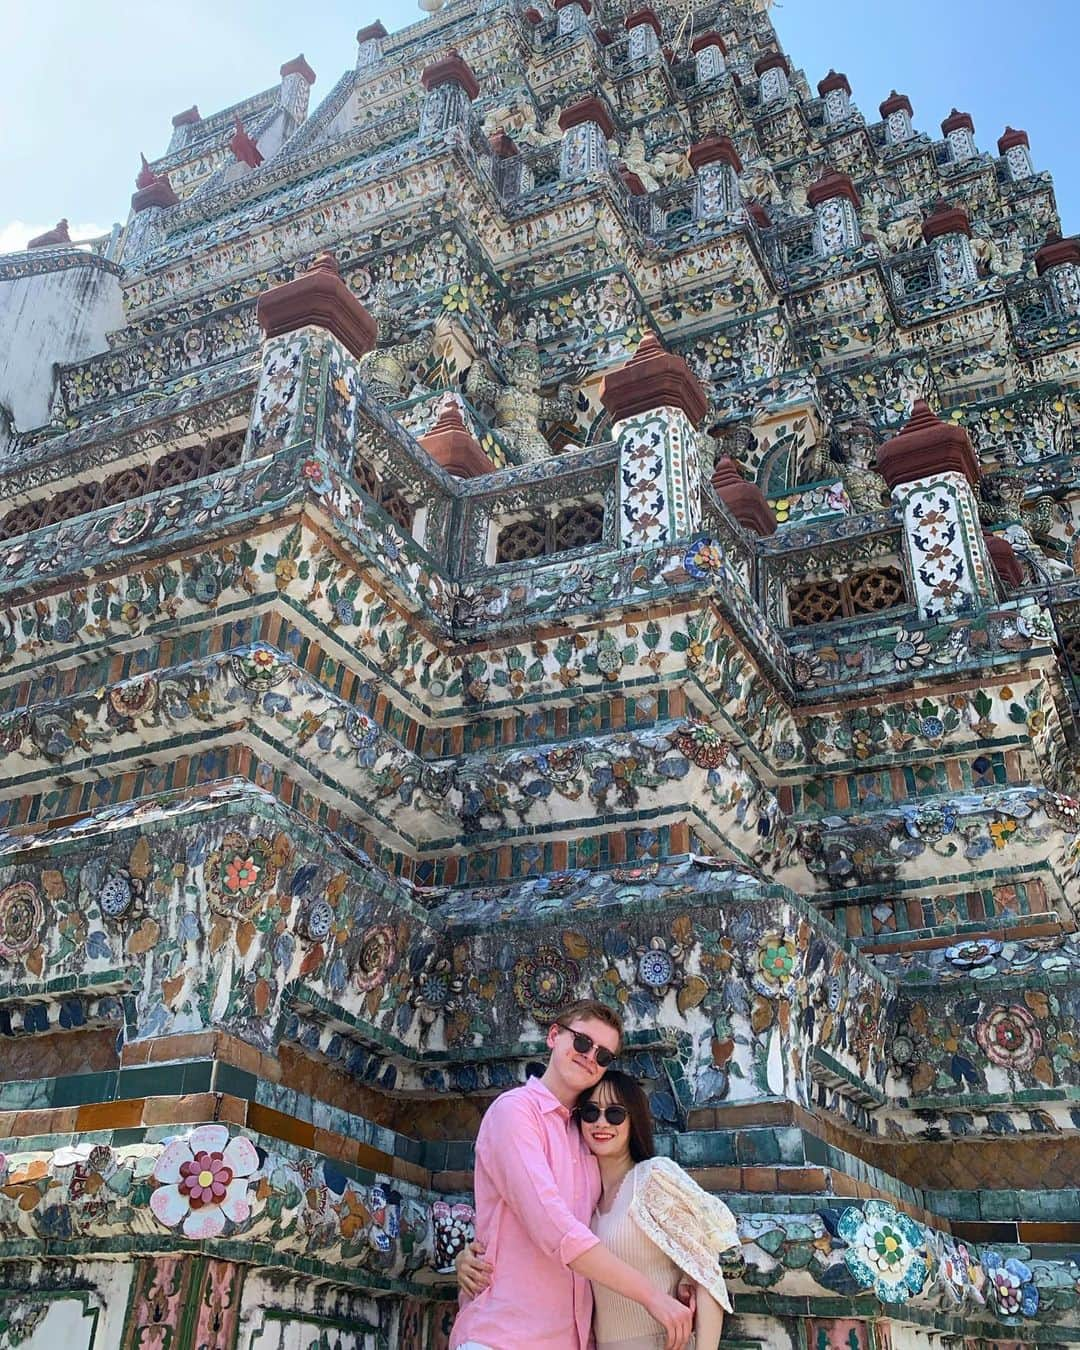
(585,1045)
(590,1113)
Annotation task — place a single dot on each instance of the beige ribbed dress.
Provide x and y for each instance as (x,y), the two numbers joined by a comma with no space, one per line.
(619,1323)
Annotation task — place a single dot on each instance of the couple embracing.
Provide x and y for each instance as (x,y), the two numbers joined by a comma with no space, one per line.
(584,1237)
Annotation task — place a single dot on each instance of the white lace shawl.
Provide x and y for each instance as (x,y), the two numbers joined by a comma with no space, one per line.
(688,1224)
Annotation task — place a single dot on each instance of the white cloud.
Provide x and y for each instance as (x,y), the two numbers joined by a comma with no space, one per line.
(16,234)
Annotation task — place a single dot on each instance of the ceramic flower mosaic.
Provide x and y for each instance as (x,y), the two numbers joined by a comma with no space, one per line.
(886,1251)
(204,1182)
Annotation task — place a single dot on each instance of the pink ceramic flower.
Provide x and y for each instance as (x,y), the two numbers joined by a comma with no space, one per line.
(204,1182)
(1009,1037)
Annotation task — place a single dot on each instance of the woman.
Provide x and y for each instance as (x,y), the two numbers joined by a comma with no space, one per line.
(651,1214)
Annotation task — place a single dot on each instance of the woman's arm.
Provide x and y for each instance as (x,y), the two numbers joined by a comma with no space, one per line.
(708,1321)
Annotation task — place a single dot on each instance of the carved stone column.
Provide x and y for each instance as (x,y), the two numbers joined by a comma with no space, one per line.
(656,403)
(450,87)
(932,470)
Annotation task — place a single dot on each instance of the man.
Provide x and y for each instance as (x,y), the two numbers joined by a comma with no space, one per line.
(536,1188)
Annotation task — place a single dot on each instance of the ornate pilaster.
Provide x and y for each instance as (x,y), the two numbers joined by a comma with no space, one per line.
(369,42)
(717,165)
(297,77)
(153,197)
(644,29)
(586,127)
(1059,262)
(959,130)
(835,94)
(948,232)
(772,71)
(896,113)
(450,87)
(307,390)
(932,471)
(656,402)
(743,499)
(573,16)
(1015,148)
(710,56)
(835,203)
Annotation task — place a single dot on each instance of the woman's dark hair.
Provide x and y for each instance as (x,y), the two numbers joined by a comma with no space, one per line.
(628,1093)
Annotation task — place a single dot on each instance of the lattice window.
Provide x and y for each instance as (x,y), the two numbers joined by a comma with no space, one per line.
(883,588)
(522,539)
(577,526)
(171,470)
(869,592)
(814,602)
(799,248)
(121,487)
(918,278)
(1071,642)
(397,507)
(22,520)
(574,525)
(224,453)
(178,466)
(367,480)
(76,501)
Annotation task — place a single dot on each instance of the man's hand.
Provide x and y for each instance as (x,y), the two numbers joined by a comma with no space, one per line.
(473,1272)
(676,1319)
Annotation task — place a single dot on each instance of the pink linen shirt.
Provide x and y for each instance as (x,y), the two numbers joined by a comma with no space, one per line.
(536,1188)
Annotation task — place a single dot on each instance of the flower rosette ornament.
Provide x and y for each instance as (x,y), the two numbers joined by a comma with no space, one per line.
(375,955)
(886,1251)
(258,669)
(22,920)
(1009,1037)
(1010,1285)
(544,981)
(701,744)
(704,559)
(241,873)
(774,965)
(203,1182)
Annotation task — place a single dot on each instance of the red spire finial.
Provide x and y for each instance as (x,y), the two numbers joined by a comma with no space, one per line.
(146,176)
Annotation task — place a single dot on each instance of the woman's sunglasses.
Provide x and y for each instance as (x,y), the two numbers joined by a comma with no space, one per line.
(590,1113)
(585,1044)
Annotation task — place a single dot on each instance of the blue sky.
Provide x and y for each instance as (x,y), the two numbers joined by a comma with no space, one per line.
(87,87)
